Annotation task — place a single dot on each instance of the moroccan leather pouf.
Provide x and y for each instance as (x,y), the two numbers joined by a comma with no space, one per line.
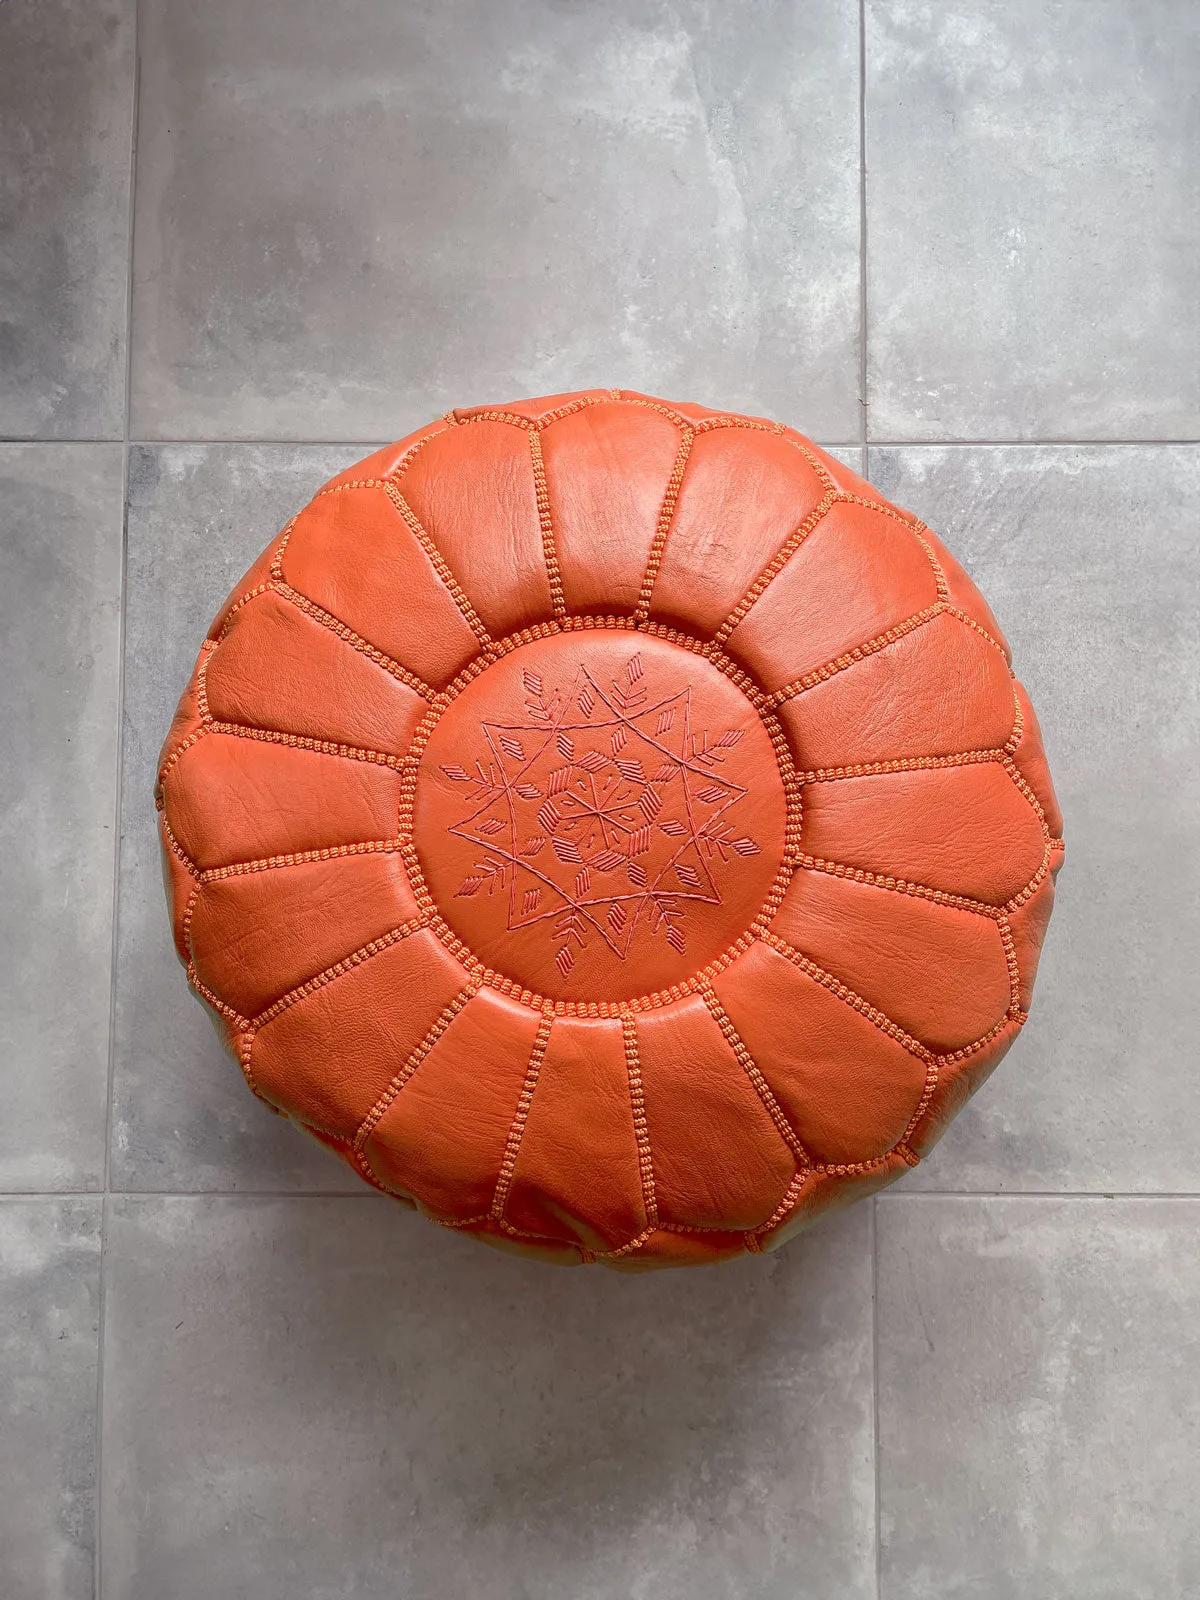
(612,828)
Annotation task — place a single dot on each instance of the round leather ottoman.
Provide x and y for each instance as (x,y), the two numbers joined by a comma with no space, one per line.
(612,828)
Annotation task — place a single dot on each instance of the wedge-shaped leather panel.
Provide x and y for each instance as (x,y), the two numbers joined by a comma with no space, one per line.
(965,830)
(260,934)
(846,1087)
(743,495)
(941,973)
(332,1053)
(607,470)
(472,489)
(353,554)
(934,691)
(279,669)
(857,574)
(718,1158)
(1029,758)
(236,799)
(577,1175)
(444,1136)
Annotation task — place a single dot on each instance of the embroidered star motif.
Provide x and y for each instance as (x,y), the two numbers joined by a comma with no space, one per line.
(601,814)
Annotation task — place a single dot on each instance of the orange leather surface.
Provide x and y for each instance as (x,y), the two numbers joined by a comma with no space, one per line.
(612,828)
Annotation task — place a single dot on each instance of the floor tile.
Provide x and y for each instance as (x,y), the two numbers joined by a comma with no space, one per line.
(334,1397)
(350,218)
(1039,1427)
(60,508)
(1033,219)
(67,87)
(183,1118)
(49,1300)
(1090,560)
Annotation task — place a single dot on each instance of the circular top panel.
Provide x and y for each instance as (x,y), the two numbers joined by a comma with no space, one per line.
(611,827)
(600,814)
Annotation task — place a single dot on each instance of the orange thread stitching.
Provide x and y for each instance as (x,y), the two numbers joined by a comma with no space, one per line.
(379,1110)
(517,1129)
(300,858)
(300,741)
(777,563)
(338,970)
(437,560)
(633,1068)
(666,517)
(750,1067)
(875,769)
(848,996)
(542,493)
(355,640)
(859,653)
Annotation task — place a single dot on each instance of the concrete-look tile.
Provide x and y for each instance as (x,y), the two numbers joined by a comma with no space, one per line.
(182,1115)
(49,1299)
(334,1397)
(1033,219)
(1091,562)
(60,507)
(1039,1428)
(351,217)
(66,85)
(849,455)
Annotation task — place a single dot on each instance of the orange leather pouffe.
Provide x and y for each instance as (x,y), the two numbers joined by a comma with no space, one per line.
(612,828)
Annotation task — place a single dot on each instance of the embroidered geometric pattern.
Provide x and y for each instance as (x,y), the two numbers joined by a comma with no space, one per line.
(602,814)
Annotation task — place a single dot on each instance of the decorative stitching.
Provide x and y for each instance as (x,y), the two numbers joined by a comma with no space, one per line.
(516,1130)
(437,561)
(839,869)
(300,741)
(750,1067)
(777,563)
(860,652)
(300,858)
(542,494)
(355,640)
(875,769)
(633,1068)
(848,996)
(666,517)
(379,1110)
(510,987)
(337,970)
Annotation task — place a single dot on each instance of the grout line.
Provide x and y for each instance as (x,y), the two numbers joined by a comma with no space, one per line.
(98,1503)
(861,443)
(1049,442)
(190,1194)
(1041,1194)
(864,431)
(891,1198)
(875,1390)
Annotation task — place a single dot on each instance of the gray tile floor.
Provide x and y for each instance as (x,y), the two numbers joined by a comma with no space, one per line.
(225,1373)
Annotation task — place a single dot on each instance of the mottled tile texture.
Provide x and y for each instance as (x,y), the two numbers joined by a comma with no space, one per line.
(60,512)
(1034,219)
(1039,1431)
(67,92)
(49,1320)
(345,220)
(337,1398)
(467,202)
